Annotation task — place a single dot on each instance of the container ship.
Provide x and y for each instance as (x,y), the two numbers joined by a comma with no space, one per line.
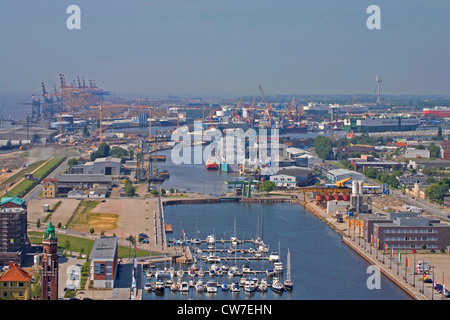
(381,124)
(437,111)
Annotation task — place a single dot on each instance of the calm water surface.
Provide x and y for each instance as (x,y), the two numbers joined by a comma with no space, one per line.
(322,267)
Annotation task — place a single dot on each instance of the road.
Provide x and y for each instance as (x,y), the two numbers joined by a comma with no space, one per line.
(36,190)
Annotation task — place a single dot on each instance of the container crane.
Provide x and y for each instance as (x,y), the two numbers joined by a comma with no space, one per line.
(100,108)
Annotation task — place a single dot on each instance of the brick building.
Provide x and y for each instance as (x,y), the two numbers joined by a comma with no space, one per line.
(406,230)
(13,230)
(50,265)
(103,262)
(445,150)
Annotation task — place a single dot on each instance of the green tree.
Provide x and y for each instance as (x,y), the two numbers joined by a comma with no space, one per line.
(324,147)
(436,191)
(102,151)
(130,190)
(85,131)
(72,162)
(370,173)
(267,186)
(439,134)
(435,151)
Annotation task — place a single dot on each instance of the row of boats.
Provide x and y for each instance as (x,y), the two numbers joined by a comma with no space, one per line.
(248,284)
(215,269)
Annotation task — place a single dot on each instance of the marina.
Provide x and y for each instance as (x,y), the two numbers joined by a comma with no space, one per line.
(305,261)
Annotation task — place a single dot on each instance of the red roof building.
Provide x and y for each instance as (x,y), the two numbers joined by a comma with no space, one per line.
(15,283)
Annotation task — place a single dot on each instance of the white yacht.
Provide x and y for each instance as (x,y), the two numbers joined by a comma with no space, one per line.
(249,285)
(274,257)
(235,287)
(184,286)
(211,286)
(278,267)
(199,286)
(277,286)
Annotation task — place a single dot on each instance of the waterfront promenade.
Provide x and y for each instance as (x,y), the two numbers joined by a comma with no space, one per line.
(397,272)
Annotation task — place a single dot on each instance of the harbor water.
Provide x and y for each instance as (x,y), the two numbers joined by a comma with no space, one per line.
(322,266)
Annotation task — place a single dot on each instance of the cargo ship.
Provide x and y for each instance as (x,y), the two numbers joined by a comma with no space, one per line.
(437,111)
(349,109)
(294,128)
(381,124)
(315,109)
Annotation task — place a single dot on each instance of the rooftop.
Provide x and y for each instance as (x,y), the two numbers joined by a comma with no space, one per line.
(15,273)
(15,200)
(104,248)
(84,178)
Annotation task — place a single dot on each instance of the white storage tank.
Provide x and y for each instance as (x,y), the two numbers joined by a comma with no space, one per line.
(355,187)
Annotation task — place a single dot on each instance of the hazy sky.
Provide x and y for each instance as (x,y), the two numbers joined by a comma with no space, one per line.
(228,46)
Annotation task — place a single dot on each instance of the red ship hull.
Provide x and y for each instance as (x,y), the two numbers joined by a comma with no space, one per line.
(437,112)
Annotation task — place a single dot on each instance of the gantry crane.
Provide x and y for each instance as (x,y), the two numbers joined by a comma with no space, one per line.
(149,108)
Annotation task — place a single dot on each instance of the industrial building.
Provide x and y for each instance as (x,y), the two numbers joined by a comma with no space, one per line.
(341,174)
(107,166)
(67,182)
(367,161)
(291,177)
(406,230)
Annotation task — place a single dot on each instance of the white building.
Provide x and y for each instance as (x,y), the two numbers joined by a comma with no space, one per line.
(291,177)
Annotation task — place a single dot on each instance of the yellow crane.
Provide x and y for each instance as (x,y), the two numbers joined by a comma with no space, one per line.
(100,107)
(341,183)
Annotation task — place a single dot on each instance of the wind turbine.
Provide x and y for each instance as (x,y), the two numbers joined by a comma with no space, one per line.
(377,89)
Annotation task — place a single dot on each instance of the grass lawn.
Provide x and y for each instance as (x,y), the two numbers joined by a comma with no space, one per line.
(77,243)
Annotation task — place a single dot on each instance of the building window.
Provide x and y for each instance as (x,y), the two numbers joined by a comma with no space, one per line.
(20,293)
(20,284)
(99,268)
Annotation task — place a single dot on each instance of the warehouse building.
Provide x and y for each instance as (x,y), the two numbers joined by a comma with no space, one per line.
(336,175)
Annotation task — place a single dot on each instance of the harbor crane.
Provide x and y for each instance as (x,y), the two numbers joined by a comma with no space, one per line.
(250,120)
(268,106)
(100,108)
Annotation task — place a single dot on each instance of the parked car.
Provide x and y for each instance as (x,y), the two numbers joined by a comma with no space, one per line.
(413,251)
(428,280)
